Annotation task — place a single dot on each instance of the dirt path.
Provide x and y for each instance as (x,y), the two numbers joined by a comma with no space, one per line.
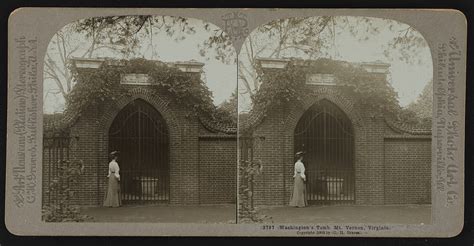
(166,214)
(412,214)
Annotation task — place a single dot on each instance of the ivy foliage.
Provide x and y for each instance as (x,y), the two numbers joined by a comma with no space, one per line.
(280,86)
(422,107)
(61,209)
(96,86)
(248,213)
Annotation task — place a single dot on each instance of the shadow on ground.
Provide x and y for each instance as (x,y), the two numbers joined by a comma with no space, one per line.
(406,214)
(164,214)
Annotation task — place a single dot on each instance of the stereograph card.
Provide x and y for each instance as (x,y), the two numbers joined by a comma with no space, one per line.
(236,122)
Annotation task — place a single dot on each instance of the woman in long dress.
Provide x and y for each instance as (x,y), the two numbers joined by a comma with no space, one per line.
(298,197)
(112,197)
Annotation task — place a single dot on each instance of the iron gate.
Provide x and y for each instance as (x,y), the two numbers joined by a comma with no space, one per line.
(140,133)
(325,133)
(55,154)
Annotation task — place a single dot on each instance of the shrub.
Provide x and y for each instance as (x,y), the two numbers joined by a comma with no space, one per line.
(61,209)
(247,211)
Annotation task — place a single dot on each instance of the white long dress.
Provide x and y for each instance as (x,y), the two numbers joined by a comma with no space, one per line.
(298,197)
(112,197)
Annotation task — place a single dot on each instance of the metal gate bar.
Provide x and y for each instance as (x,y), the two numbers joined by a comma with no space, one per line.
(140,133)
(325,133)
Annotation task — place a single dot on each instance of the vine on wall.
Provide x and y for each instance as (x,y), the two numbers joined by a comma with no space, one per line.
(95,86)
(283,86)
(62,208)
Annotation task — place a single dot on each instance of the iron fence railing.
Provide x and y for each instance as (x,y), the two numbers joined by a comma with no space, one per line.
(330,185)
(56,152)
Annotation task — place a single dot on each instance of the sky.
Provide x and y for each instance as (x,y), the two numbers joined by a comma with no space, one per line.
(407,79)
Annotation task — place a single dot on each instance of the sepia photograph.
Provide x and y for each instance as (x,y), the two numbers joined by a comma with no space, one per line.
(335,120)
(140,122)
(243,122)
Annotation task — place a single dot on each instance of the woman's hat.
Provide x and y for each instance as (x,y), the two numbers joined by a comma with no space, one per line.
(114,153)
(299,153)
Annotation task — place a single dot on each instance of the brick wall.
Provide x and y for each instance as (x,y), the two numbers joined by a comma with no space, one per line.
(269,148)
(217,170)
(369,163)
(407,171)
(85,147)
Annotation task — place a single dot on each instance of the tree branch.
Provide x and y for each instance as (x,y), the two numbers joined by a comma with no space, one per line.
(56,79)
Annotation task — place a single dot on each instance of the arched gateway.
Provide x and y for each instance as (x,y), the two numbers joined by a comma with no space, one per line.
(326,134)
(170,153)
(141,135)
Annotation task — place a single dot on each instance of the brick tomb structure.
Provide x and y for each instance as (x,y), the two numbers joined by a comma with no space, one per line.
(168,154)
(353,155)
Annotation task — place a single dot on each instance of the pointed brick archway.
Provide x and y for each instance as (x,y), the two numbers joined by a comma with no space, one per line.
(141,135)
(153,108)
(344,106)
(326,134)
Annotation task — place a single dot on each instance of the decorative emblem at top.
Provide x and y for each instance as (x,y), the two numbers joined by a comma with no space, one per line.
(236,25)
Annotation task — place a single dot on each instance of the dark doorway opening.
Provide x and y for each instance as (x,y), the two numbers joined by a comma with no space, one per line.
(140,133)
(326,134)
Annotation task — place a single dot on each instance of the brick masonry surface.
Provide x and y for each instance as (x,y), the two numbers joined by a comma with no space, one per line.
(405,171)
(217,170)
